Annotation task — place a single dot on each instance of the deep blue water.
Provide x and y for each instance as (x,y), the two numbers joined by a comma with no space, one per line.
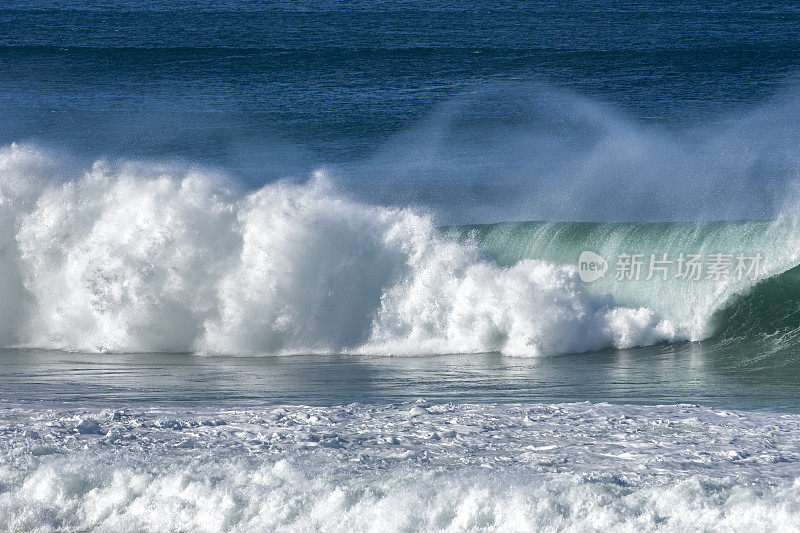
(278,89)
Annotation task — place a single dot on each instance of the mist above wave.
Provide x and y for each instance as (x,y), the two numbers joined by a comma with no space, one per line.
(530,151)
(130,256)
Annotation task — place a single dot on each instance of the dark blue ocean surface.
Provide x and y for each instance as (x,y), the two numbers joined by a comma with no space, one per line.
(279,89)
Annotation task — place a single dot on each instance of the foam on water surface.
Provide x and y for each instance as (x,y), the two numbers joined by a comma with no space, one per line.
(396,467)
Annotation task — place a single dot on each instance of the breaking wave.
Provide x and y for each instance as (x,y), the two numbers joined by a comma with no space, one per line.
(141,257)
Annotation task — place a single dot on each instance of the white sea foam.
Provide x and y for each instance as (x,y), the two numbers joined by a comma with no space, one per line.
(400,467)
(127,256)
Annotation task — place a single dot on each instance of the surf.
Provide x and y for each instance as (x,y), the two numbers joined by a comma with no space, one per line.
(141,257)
(132,256)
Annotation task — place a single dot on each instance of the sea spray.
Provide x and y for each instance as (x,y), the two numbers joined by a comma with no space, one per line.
(131,256)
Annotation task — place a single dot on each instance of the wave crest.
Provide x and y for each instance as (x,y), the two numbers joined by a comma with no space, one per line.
(145,257)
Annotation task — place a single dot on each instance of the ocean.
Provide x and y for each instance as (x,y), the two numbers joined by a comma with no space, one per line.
(408,266)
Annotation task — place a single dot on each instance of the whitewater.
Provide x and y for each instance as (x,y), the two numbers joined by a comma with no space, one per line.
(400,467)
(127,256)
(138,257)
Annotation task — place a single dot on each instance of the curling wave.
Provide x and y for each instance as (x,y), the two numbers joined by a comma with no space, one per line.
(760,302)
(142,257)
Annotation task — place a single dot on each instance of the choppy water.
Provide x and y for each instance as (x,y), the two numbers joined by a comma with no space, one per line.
(661,438)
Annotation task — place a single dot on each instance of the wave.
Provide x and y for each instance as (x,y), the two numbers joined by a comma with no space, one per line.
(695,307)
(751,323)
(769,308)
(139,257)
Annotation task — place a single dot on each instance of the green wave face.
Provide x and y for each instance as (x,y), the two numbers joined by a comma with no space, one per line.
(758,331)
(771,308)
(760,304)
